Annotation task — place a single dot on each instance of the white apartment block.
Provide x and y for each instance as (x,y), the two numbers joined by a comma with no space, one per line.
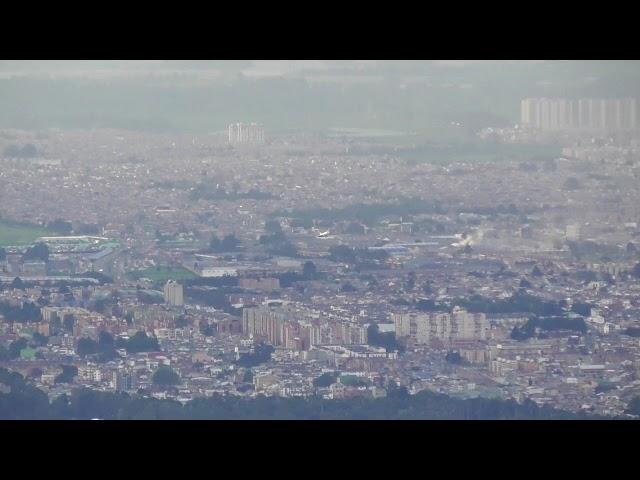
(246,133)
(423,328)
(173,294)
(559,114)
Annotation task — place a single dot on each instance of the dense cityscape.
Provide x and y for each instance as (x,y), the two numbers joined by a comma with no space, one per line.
(337,266)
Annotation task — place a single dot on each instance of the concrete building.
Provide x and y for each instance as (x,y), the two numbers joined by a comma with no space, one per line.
(424,328)
(245,133)
(298,330)
(173,294)
(572,232)
(597,115)
(123,380)
(264,322)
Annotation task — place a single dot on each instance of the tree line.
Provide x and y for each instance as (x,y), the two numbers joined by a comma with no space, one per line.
(24,401)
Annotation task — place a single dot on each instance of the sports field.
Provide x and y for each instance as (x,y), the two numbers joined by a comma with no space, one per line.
(12,233)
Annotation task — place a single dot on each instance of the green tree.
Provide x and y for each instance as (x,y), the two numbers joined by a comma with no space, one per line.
(386,340)
(69,322)
(262,354)
(39,339)
(353,380)
(325,380)
(633,407)
(230,243)
(342,253)
(215,244)
(61,408)
(68,374)
(272,226)
(16,347)
(39,251)
(309,270)
(207,330)
(632,332)
(524,283)
(454,358)
(86,346)
(106,347)
(165,376)
(347,287)
(580,308)
(27,402)
(60,226)
(105,341)
(140,342)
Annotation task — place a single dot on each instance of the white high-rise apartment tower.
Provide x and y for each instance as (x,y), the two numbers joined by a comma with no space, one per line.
(173,294)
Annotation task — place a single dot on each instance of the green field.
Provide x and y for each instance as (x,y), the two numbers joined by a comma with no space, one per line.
(12,233)
(162,274)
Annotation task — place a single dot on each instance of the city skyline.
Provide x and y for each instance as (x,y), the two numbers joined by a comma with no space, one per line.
(317,239)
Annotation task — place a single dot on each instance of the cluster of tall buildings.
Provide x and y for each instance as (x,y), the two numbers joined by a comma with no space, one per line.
(83,321)
(246,133)
(560,114)
(446,328)
(296,330)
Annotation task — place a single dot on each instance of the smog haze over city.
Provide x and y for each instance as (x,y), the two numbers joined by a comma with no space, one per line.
(319,239)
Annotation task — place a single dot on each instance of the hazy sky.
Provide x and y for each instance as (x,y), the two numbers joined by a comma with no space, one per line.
(205,95)
(99,68)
